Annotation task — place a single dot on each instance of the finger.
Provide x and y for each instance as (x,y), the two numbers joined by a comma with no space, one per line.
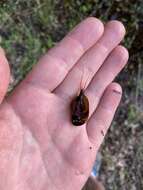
(106,74)
(89,64)
(4,75)
(100,121)
(54,66)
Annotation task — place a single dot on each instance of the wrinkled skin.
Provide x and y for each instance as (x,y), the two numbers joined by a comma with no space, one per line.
(40,149)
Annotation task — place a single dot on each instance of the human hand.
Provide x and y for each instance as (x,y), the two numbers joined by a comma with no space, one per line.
(40,149)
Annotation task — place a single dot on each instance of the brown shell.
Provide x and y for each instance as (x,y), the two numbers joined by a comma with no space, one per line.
(79,109)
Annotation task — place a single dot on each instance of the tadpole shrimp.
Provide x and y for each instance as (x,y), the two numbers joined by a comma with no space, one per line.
(80,107)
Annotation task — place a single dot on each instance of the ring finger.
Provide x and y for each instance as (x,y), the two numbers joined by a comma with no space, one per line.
(106,74)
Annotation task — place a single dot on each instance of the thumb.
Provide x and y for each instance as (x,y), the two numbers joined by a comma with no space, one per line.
(4,75)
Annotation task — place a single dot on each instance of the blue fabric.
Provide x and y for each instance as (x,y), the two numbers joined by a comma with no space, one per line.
(96,167)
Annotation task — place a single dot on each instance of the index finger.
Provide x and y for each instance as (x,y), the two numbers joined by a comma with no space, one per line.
(55,65)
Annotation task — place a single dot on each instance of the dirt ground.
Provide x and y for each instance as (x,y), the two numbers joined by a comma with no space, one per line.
(29,28)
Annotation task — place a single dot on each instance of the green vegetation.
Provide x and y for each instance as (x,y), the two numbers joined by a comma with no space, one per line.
(30,28)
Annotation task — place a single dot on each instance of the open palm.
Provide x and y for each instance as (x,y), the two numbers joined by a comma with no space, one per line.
(40,149)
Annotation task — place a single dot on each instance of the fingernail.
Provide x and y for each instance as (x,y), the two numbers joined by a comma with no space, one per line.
(117,92)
